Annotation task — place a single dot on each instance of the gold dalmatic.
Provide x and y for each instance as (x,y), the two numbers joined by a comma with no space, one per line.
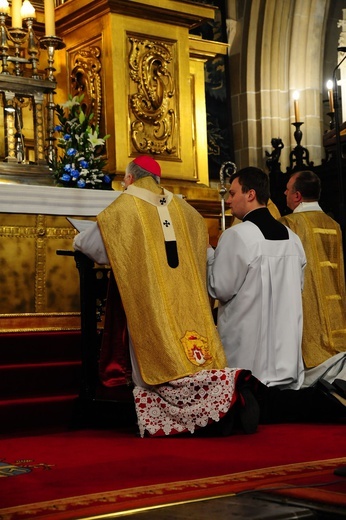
(324,313)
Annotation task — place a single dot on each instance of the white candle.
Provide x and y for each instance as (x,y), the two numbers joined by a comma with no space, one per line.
(27,10)
(296,106)
(330,95)
(49,17)
(4,6)
(16,17)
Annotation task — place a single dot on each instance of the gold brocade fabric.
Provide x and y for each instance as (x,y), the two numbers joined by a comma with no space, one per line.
(273,209)
(324,307)
(167,309)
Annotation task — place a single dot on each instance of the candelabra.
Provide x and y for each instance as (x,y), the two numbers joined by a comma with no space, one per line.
(51,44)
(20,79)
(16,38)
(299,154)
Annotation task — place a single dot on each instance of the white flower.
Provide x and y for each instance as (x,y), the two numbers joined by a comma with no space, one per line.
(71,102)
(94,139)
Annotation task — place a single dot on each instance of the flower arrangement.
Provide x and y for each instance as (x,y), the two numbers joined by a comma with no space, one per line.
(81,163)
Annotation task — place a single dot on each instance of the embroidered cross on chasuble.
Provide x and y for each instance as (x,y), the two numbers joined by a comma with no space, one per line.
(156,243)
(161,202)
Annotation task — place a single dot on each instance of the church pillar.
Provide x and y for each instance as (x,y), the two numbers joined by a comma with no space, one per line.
(276,48)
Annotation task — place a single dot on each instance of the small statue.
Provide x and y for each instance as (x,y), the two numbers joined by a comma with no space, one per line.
(273,158)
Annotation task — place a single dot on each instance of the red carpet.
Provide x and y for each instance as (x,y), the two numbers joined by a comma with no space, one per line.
(59,476)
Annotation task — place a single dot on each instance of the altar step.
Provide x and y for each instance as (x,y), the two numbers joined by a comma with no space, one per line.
(32,379)
(39,380)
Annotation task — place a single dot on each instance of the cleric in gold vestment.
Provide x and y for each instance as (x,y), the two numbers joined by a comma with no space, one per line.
(154,297)
(156,244)
(324,306)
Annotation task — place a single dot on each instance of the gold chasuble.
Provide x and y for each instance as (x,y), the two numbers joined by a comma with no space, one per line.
(324,316)
(156,244)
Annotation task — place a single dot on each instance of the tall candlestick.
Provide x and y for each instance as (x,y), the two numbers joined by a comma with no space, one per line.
(15,13)
(49,17)
(296,106)
(330,95)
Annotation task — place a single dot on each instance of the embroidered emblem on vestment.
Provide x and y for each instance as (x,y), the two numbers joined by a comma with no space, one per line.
(196,348)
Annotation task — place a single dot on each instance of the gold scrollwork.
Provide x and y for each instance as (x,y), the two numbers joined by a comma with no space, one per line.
(86,79)
(152,97)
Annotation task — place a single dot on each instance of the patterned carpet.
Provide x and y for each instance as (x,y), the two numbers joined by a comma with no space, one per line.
(88,473)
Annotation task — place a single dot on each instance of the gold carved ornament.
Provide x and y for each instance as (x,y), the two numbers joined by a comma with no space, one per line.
(152,97)
(86,79)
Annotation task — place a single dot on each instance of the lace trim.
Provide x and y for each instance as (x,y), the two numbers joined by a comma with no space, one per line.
(185,404)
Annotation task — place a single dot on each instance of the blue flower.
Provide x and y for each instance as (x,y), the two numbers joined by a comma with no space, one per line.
(67,167)
(106,179)
(84,164)
(67,137)
(71,151)
(74,174)
(58,128)
(66,177)
(81,183)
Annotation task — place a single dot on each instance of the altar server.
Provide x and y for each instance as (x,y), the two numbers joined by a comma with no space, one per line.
(256,273)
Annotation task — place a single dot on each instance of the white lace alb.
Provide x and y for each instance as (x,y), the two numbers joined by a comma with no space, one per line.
(185,404)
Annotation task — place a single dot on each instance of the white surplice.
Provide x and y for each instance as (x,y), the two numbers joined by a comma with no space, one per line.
(258,284)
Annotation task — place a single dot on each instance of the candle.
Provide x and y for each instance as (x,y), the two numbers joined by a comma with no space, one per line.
(4,6)
(49,17)
(296,106)
(330,95)
(16,17)
(27,10)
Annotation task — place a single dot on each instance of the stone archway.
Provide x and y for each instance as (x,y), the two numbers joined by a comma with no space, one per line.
(276,48)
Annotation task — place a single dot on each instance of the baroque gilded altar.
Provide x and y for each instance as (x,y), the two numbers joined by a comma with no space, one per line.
(142,76)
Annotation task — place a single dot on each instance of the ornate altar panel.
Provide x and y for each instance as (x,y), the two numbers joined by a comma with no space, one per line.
(132,61)
(153,96)
(164,124)
(35,279)
(39,288)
